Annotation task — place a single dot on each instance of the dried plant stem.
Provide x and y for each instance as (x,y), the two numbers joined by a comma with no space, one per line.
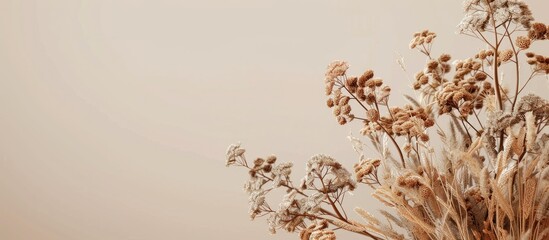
(517,70)
(532,75)
(496,73)
(495,47)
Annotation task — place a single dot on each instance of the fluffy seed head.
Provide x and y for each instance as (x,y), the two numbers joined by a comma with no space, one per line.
(523,42)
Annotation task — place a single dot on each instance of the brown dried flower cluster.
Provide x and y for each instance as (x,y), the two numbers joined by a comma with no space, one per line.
(365,171)
(489,178)
(340,88)
(523,42)
(407,121)
(469,87)
(539,62)
(422,39)
(432,77)
(538,31)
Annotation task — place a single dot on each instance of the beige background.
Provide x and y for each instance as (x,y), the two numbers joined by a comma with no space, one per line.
(115,114)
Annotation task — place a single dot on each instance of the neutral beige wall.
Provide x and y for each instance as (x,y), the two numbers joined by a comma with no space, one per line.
(115,114)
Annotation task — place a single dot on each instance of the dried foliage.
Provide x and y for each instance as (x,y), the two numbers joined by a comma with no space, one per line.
(488,180)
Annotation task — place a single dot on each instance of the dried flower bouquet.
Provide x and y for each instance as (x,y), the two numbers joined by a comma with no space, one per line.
(488,180)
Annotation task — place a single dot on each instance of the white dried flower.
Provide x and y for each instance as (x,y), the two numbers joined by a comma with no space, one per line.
(312,203)
(479,14)
(256,199)
(501,15)
(233,152)
(475,21)
(281,172)
(338,179)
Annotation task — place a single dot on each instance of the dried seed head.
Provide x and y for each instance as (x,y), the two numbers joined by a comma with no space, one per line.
(416,85)
(411,181)
(506,55)
(341,120)
(329,88)
(482,54)
(259,161)
(343,101)
(432,64)
(370,98)
(424,80)
(424,137)
(523,42)
(539,27)
(429,122)
(444,57)
(346,109)
(480,76)
(271,159)
(351,83)
(373,115)
(337,111)
(367,75)
(537,31)
(336,69)
(330,102)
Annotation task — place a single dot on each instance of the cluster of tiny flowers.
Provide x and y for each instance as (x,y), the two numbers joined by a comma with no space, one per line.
(538,31)
(422,38)
(364,168)
(479,13)
(406,121)
(474,21)
(317,231)
(515,10)
(332,174)
(490,58)
(292,211)
(234,154)
(336,69)
(264,166)
(258,178)
(334,72)
(341,107)
(433,74)
(468,89)
(523,42)
(540,63)
(365,89)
